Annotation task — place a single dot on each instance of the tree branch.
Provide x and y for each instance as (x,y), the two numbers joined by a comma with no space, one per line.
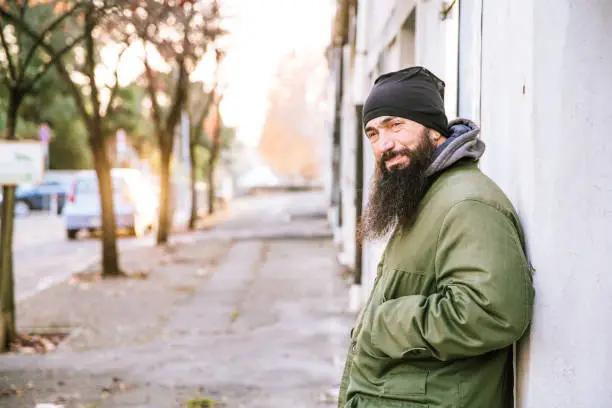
(178,100)
(5,46)
(53,61)
(206,109)
(42,35)
(152,91)
(115,90)
(24,8)
(18,34)
(197,127)
(4,77)
(90,63)
(181,91)
(74,90)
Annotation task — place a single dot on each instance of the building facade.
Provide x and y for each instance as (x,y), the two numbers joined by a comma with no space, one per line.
(537,76)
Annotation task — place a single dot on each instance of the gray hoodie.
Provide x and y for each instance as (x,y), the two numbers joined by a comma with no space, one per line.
(463,142)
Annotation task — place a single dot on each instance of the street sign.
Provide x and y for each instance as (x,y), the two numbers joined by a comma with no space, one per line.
(44,133)
(21,162)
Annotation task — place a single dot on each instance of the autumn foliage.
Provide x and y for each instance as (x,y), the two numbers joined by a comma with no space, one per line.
(292,137)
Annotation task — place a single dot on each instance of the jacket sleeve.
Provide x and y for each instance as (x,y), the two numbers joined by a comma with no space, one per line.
(484,295)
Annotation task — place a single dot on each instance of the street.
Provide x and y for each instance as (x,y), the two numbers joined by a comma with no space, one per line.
(251,312)
(43,256)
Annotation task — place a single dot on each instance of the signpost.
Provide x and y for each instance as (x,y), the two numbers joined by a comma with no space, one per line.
(21,162)
(44,134)
(121,145)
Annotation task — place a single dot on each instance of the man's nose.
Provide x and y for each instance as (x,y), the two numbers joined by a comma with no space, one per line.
(387,144)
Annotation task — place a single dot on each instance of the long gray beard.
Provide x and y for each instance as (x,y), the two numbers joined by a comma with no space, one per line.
(396,194)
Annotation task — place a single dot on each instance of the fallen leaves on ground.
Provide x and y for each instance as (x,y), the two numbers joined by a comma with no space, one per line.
(15,391)
(28,343)
(188,289)
(117,385)
(94,276)
(201,402)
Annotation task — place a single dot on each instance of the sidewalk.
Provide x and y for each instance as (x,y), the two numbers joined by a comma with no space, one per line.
(242,320)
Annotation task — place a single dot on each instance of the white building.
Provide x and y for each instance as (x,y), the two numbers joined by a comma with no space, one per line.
(537,76)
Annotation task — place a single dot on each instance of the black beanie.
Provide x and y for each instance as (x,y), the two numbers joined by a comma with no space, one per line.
(412,93)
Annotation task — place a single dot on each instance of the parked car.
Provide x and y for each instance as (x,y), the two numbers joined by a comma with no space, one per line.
(40,197)
(134,198)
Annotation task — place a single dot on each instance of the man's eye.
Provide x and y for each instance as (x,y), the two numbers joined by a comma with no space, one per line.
(396,124)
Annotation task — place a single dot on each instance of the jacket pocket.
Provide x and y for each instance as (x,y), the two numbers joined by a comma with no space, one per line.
(402,282)
(367,401)
(406,382)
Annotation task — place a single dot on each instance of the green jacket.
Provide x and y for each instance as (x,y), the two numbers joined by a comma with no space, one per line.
(451,296)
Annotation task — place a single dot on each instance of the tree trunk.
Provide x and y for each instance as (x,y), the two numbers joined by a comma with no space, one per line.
(193,216)
(102,164)
(212,167)
(110,255)
(211,185)
(7,286)
(212,161)
(7,291)
(163,229)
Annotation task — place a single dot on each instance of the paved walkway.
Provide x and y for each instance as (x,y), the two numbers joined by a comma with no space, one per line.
(244,320)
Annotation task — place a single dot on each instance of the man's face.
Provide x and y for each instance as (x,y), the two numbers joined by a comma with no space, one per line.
(391,137)
(403,150)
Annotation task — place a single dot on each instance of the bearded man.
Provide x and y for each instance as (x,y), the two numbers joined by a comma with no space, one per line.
(454,289)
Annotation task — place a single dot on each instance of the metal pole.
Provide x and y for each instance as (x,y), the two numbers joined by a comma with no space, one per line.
(53,204)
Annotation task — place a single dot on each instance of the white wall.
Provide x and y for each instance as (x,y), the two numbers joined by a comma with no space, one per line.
(384,22)
(571,231)
(469,68)
(407,41)
(507,112)
(436,47)
(546,114)
(347,165)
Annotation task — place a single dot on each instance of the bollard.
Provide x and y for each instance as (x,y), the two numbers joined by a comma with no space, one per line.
(53,204)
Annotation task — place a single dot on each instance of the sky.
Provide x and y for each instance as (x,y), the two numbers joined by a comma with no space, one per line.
(262,32)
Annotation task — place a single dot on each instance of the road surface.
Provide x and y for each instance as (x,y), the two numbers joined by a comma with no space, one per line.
(43,256)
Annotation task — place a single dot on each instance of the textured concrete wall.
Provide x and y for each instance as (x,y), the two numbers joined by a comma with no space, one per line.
(546,86)
(567,363)
(347,165)
(545,108)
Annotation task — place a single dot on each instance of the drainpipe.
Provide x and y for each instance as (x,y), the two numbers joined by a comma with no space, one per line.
(358,192)
(337,143)
(339,39)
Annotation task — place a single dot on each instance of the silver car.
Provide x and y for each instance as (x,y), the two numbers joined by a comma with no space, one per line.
(135,203)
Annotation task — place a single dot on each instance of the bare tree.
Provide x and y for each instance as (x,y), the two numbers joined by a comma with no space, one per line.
(198,108)
(21,69)
(92,15)
(215,136)
(180,32)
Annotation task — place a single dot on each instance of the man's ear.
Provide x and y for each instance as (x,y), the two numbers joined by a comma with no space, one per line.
(436,137)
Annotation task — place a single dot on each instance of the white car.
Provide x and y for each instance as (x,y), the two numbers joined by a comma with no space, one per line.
(134,198)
